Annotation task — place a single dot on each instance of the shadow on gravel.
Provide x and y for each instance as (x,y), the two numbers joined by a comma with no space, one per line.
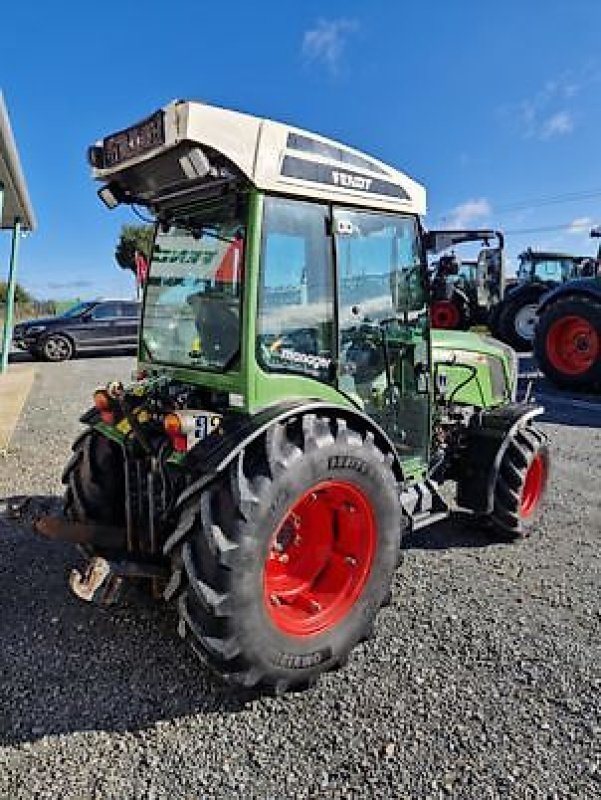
(563,407)
(450,534)
(67,666)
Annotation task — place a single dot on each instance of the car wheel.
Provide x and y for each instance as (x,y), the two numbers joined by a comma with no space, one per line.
(57,347)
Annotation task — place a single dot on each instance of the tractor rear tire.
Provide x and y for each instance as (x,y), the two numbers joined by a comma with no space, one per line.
(95,481)
(567,344)
(521,483)
(281,565)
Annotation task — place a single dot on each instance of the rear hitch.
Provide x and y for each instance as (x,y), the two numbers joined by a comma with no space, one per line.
(64,530)
(102,580)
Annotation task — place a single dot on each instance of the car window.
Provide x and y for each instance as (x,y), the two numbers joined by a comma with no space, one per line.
(107,311)
(130,310)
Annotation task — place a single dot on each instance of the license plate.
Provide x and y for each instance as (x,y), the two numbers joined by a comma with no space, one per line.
(134,141)
(205,423)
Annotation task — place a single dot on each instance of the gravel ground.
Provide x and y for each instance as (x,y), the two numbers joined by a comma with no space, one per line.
(482,681)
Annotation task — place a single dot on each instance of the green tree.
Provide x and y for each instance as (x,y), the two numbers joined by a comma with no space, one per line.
(132,238)
(21,294)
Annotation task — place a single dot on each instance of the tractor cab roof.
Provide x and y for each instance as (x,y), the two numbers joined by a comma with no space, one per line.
(190,148)
(545,255)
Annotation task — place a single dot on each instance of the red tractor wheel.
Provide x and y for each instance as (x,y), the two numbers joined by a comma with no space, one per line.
(445,314)
(568,341)
(281,565)
(572,345)
(521,482)
(319,559)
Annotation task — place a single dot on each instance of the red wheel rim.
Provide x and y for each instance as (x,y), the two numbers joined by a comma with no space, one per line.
(534,484)
(445,314)
(572,345)
(319,559)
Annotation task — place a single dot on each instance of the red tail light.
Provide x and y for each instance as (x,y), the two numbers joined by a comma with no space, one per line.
(173,428)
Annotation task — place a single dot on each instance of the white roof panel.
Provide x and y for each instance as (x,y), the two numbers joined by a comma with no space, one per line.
(273,156)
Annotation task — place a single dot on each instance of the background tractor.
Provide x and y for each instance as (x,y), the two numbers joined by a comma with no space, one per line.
(467,292)
(567,340)
(538,272)
(293,416)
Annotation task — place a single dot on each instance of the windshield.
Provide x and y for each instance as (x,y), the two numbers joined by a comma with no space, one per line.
(546,269)
(77,310)
(191,311)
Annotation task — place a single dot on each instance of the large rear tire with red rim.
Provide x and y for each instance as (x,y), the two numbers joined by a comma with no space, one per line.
(567,342)
(521,483)
(281,566)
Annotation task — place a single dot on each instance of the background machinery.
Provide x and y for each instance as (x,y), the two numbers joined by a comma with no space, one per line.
(293,416)
(567,339)
(467,292)
(538,272)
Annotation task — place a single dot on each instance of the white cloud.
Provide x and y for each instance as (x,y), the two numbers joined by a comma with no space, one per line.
(580,225)
(558,124)
(463,215)
(325,42)
(550,111)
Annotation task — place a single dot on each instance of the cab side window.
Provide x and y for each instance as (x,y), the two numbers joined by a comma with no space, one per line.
(296,299)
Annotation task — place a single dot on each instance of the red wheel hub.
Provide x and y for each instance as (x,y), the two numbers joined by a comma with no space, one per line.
(445,314)
(319,559)
(534,484)
(572,345)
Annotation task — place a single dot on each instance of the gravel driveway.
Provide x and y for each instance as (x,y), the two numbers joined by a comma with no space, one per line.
(483,679)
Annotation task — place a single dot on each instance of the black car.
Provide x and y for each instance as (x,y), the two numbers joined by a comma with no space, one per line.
(96,325)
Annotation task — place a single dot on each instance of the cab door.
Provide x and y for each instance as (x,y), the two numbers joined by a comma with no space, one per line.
(384,349)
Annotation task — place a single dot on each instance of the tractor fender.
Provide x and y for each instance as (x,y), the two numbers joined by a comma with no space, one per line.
(212,455)
(587,287)
(528,292)
(489,434)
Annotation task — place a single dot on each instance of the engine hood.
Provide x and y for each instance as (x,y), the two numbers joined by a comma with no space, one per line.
(468,341)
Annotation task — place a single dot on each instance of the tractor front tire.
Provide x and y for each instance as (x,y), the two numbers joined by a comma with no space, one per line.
(516,319)
(520,484)
(449,315)
(281,565)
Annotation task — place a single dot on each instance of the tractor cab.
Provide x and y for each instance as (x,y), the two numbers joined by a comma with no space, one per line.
(551,269)
(284,265)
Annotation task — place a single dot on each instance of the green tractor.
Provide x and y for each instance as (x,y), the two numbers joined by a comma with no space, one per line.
(293,415)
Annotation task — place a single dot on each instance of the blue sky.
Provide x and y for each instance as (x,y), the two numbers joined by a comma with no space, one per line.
(490,105)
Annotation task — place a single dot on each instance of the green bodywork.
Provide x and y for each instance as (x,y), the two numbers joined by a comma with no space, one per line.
(466,367)
(494,363)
